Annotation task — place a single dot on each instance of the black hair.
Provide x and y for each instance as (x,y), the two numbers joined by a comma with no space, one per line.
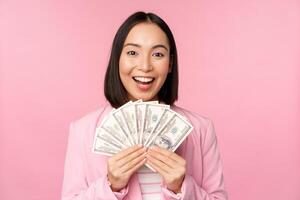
(114,90)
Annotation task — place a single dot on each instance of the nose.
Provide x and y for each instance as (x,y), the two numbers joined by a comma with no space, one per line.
(146,64)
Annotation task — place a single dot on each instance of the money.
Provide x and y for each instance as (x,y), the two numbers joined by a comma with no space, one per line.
(165,118)
(111,125)
(147,123)
(129,116)
(104,145)
(141,115)
(173,133)
(117,114)
(153,115)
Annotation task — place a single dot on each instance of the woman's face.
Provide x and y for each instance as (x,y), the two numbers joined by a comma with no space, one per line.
(144,61)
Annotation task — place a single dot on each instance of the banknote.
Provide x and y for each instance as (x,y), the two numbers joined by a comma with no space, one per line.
(147,123)
(173,133)
(102,146)
(129,116)
(153,113)
(109,138)
(117,114)
(165,118)
(140,117)
(111,125)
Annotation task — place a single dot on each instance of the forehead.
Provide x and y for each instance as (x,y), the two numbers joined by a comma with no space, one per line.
(147,34)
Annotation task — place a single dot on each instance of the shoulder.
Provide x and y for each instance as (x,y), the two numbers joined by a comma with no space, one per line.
(91,119)
(197,120)
(203,127)
(203,132)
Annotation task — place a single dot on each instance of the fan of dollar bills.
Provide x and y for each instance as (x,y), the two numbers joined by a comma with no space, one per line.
(146,123)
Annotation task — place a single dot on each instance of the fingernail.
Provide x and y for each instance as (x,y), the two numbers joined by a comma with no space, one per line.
(153,147)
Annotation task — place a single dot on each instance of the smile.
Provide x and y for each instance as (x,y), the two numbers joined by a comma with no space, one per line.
(144,80)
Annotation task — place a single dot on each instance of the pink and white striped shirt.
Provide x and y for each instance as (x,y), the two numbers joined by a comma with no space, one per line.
(150,183)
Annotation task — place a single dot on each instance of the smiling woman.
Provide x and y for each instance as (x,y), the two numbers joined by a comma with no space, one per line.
(143,65)
(144,62)
(143,50)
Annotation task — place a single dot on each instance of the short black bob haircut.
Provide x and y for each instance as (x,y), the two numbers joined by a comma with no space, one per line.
(114,90)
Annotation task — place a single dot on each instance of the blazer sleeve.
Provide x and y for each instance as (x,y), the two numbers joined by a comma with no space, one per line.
(75,185)
(212,187)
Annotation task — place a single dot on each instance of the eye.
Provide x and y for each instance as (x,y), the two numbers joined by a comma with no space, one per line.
(131,53)
(158,54)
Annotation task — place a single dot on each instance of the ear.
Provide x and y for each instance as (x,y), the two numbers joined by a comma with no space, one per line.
(171,64)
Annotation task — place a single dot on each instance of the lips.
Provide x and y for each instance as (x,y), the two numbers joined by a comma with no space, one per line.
(143,79)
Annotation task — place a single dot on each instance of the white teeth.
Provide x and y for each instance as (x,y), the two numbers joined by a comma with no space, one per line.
(143,79)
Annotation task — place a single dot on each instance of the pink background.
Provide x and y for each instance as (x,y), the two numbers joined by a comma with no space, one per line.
(239,65)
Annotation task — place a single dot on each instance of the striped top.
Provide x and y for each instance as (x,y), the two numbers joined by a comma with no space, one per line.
(150,183)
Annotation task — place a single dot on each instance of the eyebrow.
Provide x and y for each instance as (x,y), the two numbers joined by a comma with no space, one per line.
(155,46)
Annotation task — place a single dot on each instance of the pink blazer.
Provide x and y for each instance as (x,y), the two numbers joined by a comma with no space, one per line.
(85,173)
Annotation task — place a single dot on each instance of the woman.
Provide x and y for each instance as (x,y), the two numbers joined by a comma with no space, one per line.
(143,65)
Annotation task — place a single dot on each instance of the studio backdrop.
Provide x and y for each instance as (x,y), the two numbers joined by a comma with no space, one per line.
(239,65)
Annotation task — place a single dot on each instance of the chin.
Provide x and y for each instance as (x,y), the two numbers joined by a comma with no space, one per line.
(145,98)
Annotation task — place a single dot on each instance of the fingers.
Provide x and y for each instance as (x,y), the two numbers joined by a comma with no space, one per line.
(169,165)
(132,157)
(127,151)
(166,162)
(157,168)
(135,167)
(132,163)
(166,155)
(158,165)
(161,159)
(121,166)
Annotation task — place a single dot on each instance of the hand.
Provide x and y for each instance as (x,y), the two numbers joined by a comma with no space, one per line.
(169,165)
(122,165)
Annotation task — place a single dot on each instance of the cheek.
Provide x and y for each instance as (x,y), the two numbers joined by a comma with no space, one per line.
(125,65)
(163,67)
